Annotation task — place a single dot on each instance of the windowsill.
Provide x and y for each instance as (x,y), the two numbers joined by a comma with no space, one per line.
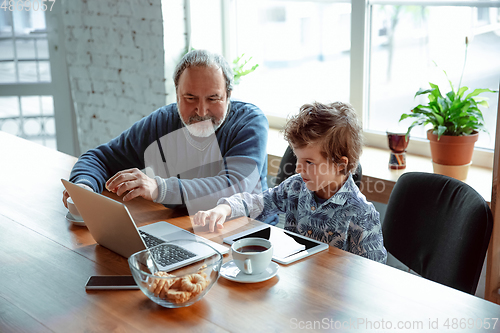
(374,162)
(378,180)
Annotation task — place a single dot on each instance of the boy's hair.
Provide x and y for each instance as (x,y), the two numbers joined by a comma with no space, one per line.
(334,127)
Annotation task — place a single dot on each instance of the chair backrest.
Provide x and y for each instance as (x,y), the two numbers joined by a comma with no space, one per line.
(289,162)
(439,227)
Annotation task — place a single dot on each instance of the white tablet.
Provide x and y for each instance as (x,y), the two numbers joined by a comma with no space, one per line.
(288,246)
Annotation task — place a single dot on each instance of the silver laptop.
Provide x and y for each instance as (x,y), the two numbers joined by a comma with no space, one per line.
(112,226)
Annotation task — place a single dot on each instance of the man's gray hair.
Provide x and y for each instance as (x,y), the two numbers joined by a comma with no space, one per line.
(203,58)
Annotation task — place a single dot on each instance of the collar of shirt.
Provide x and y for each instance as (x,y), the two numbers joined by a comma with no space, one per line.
(342,195)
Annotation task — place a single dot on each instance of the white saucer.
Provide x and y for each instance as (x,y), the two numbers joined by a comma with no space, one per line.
(241,277)
(75,221)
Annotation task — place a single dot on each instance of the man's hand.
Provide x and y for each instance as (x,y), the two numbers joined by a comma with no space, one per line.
(216,216)
(66,194)
(134,183)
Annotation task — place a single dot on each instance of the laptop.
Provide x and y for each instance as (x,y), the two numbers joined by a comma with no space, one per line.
(112,226)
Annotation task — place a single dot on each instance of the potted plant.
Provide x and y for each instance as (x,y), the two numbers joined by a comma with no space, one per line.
(240,65)
(456,121)
(241,69)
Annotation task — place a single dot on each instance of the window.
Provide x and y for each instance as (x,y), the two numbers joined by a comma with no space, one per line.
(23,41)
(376,54)
(302,49)
(30,117)
(24,61)
(406,43)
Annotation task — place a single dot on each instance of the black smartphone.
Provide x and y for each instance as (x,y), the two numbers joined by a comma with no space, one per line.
(101,282)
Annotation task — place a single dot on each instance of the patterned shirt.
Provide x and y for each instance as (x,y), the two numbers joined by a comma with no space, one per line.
(346,220)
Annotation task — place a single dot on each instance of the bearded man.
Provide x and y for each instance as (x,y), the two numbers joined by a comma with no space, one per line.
(189,153)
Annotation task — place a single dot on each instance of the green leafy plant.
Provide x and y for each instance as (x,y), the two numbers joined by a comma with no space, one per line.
(240,65)
(241,69)
(451,114)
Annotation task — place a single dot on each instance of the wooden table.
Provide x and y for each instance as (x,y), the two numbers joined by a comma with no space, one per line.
(45,262)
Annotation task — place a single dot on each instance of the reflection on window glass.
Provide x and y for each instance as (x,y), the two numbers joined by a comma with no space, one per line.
(42,47)
(7,49)
(47,105)
(407,42)
(26,21)
(31,126)
(5,23)
(24,60)
(30,105)
(30,117)
(50,126)
(44,71)
(24,49)
(7,72)
(10,126)
(28,71)
(9,107)
(302,49)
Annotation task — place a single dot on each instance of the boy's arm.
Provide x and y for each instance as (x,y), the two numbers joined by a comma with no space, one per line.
(269,202)
(365,237)
(126,151)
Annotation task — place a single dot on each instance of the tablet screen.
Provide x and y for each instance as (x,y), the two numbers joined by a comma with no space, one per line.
(266,234)
(288,246)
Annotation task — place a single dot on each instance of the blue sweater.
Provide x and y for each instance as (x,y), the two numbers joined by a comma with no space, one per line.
(242,140)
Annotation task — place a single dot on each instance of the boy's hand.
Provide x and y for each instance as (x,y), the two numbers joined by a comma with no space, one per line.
(216,216)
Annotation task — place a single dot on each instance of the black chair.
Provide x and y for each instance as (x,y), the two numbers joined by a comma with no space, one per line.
(439,227)
(289,161)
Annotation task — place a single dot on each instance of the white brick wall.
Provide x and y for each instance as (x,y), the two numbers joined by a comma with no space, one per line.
(115,59)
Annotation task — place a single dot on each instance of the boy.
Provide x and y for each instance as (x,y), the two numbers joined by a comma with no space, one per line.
(321,201)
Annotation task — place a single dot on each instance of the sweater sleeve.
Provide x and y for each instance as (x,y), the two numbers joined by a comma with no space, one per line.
(126,151)
(259,206)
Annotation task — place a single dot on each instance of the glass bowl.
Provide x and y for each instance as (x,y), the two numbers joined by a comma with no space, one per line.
(173,287)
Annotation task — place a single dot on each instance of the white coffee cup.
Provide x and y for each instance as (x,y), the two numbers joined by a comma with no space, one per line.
(252,255)
(73,210)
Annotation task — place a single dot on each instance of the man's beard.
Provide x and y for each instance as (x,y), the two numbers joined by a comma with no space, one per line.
(203,126)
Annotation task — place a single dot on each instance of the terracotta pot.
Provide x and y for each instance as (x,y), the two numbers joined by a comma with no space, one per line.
(452,150)
(459,172)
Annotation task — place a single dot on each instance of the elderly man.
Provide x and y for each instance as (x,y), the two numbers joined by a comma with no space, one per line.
(193,152)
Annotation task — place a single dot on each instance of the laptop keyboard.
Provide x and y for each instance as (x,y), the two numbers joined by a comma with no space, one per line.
(150,240)
(165,255)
